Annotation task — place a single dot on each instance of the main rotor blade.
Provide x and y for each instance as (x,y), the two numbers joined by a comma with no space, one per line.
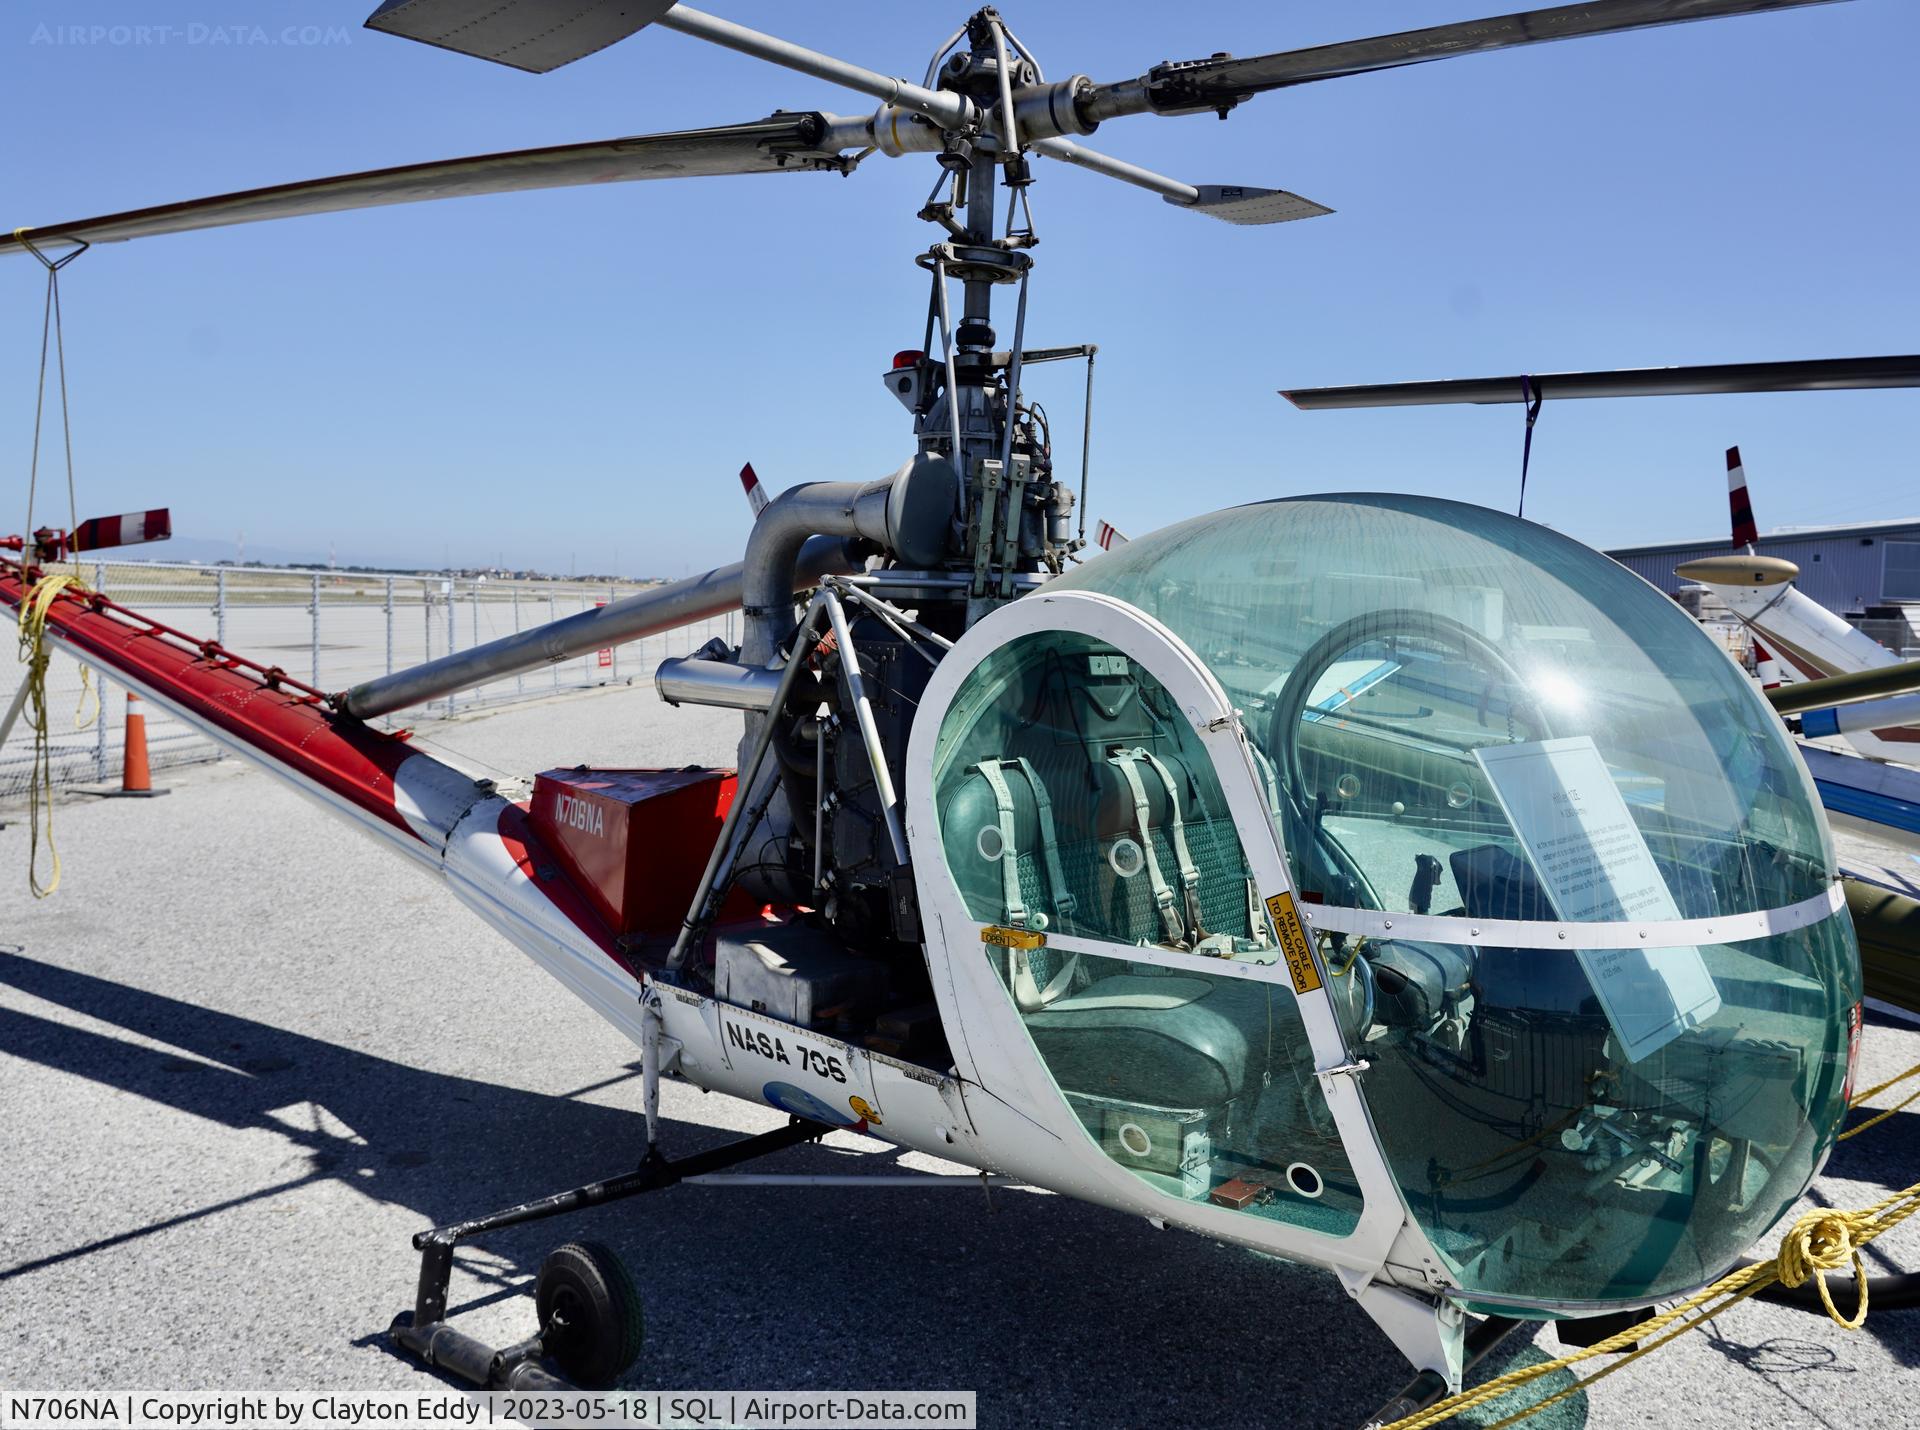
(1208,84)
(531,35)
(1813,375)
(1231,203)
(784,143)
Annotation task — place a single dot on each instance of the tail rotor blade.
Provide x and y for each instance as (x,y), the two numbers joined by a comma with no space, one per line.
(129,529)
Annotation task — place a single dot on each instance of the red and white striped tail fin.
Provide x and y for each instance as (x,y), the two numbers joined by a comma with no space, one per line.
(1766,667)
(1107,537)
(128,529)
(1745,533)
(756,494)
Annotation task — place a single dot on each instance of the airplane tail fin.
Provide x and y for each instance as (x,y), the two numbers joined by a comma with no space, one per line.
(756,494)
(1745,533)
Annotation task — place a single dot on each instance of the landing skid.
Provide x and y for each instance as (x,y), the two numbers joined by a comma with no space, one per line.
(1429,1387)
(426,1334)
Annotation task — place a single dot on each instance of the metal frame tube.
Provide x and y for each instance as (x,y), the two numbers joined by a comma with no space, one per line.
(869,732)
(1010,139)
(13,710)
(933,65)
(946,352)
(314,628)
(1013,406)
(453,641)
(749,771)
(819,800)
(1086,442)
(902,624)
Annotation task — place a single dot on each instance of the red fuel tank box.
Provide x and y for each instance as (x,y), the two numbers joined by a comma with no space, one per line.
(635,842)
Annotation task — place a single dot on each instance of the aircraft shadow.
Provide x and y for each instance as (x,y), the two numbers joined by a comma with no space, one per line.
(1056,1312)
(1064,1305)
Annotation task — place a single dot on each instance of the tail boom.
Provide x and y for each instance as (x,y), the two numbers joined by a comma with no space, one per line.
(439,817)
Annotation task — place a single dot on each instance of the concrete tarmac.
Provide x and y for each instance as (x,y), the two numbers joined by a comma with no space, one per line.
(244,1056)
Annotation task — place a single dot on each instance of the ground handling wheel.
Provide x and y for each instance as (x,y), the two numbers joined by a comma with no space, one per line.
(590,1320)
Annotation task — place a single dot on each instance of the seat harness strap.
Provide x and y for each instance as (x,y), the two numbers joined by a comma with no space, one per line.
(1009,853)
(1128,763)
(1189,871)
(1063,900)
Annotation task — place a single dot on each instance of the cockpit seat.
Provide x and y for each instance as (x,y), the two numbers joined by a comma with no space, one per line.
(1055,841)
(1162,1041)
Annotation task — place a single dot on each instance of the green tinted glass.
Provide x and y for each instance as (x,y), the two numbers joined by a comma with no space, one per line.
(1075,799)
(1460,714)
(1383,650)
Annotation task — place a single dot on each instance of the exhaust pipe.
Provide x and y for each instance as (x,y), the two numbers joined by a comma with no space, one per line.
(693,680)
(907,515)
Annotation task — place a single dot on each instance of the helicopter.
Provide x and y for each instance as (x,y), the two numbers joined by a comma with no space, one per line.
(1281,876)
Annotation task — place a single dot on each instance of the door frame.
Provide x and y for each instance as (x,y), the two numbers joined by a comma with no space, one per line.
(991,1046)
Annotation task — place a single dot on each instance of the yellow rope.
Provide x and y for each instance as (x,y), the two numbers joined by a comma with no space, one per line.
(34,654)
(1882,1117)
(40,596)
(1818,1242)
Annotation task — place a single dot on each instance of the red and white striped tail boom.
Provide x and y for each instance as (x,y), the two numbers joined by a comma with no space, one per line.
(444,819)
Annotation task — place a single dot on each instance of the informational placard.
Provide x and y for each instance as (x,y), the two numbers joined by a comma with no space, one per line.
(1594,864)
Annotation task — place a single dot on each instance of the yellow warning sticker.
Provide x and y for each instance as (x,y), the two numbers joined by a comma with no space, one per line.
(1012,938)
(1294,943)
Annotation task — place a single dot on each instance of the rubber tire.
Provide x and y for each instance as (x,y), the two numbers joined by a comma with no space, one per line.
(589,1313)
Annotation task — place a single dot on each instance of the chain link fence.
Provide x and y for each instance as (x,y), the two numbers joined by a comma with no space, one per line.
(329,628)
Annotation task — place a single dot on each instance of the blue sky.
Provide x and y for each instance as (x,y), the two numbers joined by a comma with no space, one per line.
(575,376)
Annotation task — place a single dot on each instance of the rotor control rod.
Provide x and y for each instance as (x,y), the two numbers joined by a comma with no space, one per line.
(647,613)
(950,111)
(1170,189)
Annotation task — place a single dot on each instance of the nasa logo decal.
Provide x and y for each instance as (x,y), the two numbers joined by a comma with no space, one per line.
(801,1103)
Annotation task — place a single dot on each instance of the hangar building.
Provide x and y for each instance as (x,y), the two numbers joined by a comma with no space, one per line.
(1867,573)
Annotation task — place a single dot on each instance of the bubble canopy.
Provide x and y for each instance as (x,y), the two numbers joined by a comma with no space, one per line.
(1463,720)
(1386,650)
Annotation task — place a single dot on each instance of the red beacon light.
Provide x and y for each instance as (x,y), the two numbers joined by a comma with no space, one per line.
(909,357)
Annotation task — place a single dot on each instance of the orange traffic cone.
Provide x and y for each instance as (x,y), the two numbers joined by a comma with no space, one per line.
(136,774)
